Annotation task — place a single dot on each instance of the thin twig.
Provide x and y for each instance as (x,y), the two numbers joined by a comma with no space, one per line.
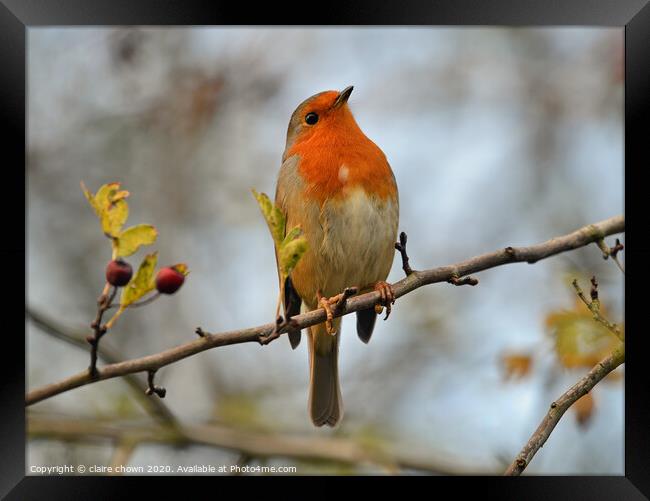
(618,263)
(560,406)
(278,329)
(456,280)
(415,280)
(152,388)
(342,299)
(594,307)
(401,247)
(611,251)
(98,329)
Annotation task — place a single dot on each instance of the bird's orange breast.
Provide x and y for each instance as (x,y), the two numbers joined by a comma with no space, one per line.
(341,158)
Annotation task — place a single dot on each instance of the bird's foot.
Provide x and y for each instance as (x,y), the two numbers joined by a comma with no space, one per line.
(326,304)
(387,298)
(338,302)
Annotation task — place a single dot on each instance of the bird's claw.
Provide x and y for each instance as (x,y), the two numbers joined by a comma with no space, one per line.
(338,302)
(326,304)
(387,298)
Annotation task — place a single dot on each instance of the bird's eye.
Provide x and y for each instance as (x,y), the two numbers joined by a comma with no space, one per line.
(311,118)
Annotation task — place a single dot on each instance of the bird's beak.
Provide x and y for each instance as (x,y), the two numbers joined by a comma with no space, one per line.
(343,97)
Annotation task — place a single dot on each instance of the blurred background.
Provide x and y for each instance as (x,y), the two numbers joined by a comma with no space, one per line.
(496,137)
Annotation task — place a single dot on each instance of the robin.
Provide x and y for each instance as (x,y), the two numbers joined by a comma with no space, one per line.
(337,185)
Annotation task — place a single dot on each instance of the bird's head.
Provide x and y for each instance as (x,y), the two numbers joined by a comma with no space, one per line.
(324,114)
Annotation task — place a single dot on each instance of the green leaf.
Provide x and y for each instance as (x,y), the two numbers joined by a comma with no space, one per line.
(131,239)
(274,217)
(142,282)
(295,232)
(291,250)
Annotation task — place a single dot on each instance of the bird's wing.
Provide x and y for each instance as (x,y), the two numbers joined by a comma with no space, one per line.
(291,300)
(366,323)
(366,319)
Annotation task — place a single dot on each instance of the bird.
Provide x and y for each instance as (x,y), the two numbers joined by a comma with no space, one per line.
(338,187)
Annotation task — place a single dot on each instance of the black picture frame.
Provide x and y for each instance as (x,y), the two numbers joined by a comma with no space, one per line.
(16,16)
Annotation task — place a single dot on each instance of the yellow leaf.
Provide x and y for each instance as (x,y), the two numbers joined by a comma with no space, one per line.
(580,341)
(131,239)
(584,409)
(90,197)
(105,194)
(516,365)
(114,216)
(181,268)
(120,195)
(274,217)
(142,282)
(110,206)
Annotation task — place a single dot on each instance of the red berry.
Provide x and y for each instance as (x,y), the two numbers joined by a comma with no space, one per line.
(169,280)
(118,273)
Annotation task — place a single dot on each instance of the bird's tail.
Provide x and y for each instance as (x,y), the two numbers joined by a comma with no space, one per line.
(325,404)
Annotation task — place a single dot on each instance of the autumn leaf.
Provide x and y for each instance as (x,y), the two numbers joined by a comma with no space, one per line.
(110,206)
(142,282)
(584,409)
(516,365)
(579,340)
(120,195)
(131,239)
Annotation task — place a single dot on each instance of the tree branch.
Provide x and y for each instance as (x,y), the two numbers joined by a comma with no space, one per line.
(136,382)
(579,238)
(255,444)
(560,406)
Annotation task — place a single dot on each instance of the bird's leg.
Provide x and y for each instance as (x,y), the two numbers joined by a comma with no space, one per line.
(338,302)
(387,297)
(324,303)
